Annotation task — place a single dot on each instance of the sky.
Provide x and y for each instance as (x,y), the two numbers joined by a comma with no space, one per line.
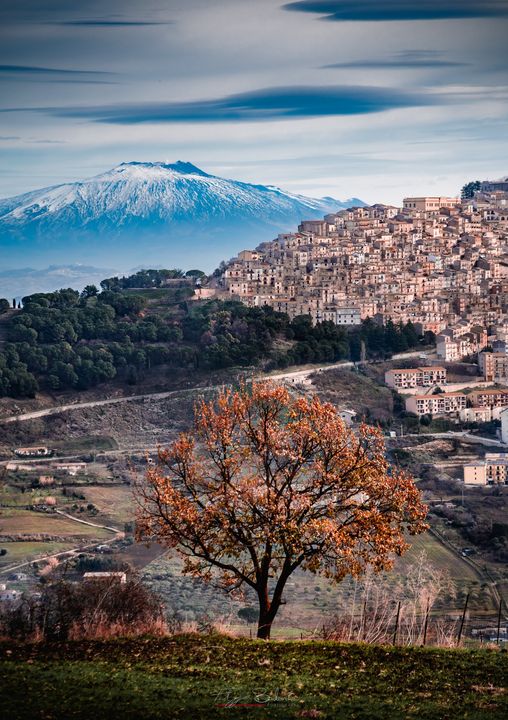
(367,98)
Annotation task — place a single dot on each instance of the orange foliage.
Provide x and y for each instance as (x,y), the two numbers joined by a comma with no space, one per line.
(267,483)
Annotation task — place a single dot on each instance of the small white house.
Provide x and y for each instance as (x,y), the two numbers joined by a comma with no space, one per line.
(120,577)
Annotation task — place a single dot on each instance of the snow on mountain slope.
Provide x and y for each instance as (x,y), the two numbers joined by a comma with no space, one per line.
(153,203)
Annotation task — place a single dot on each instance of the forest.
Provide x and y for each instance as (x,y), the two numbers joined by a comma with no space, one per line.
(70,340)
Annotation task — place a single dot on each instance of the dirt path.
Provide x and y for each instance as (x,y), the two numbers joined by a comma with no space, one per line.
(87,522)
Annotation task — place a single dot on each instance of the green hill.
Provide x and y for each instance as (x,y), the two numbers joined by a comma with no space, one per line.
(213,676)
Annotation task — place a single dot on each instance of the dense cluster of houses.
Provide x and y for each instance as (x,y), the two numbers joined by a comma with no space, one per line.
(437,262)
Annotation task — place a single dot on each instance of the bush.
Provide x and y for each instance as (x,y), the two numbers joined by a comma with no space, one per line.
(91,609)
(248,614)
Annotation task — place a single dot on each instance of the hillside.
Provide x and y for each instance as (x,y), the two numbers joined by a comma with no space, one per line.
(142,212)
(64,340)
(212,676)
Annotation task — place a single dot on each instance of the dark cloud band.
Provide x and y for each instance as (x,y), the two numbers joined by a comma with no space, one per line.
(35,70)
(410,59)
(110,23)
(267,104)
(386,10)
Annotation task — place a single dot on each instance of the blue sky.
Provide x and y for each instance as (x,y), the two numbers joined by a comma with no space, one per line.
(343,98)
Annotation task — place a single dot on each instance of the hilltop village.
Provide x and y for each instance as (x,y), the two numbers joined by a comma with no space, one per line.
(438,262)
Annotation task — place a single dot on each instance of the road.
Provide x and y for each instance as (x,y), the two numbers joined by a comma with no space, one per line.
(87,522)
(57,409)
(292,375)
(458,435)
(302,376)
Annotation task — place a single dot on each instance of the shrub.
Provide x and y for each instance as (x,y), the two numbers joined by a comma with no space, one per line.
(92,609)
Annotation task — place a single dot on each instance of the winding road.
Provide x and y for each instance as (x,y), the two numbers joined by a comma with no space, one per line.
(298,376)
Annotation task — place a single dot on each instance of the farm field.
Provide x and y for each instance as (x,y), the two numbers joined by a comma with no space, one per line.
(21,522)
(116,503)
(19,552)
(312,600)
(439,556)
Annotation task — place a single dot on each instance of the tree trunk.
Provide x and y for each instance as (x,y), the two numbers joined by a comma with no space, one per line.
(264,626)
(267,613)
(268,609)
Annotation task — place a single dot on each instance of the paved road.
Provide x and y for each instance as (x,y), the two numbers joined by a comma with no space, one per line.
(466,437)
(98,454)
(57,409)
(302,376)
(291,375)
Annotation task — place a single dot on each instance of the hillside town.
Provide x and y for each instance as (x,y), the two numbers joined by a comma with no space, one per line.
(438,262)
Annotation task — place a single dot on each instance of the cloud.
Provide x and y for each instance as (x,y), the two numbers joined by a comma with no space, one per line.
(35,70)
(385,10)
(31,73)
(265,104)
(410,59)
(110,23)
(43,141)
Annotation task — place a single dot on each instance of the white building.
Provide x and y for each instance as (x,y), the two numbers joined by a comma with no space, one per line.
(442,404)
(415,377)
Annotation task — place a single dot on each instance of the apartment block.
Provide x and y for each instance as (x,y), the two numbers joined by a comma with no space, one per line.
(415,377)
(442,404)
(494,366)
(492,398)
(492,470)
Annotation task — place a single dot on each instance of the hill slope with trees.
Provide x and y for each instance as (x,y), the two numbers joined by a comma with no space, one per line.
(69,340)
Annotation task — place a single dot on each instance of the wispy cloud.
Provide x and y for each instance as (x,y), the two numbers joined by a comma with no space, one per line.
(410,59)
(44,141)
(32,73)
(259,105)
(386,10)
(36,70)
(110,23)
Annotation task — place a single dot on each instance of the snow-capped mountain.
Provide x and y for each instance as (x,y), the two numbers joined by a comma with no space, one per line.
(141,212)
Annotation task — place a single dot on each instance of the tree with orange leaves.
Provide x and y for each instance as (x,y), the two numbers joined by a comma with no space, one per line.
(268,483)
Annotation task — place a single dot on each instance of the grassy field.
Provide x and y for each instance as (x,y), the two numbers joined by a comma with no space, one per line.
(24,522)
(438,555)
(216,677)
(116,503)
(18,552)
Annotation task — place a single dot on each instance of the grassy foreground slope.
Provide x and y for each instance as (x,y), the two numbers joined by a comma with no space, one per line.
(217,677)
